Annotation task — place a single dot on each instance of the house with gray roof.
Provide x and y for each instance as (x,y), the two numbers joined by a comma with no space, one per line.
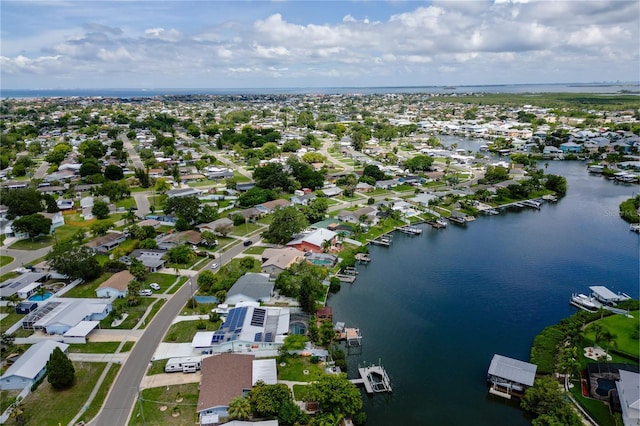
(251,287)
(184,192)
(31,366)
(628,388)
(15,285)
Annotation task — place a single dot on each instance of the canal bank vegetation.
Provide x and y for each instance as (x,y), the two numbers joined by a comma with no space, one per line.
(629,209)
(559,352)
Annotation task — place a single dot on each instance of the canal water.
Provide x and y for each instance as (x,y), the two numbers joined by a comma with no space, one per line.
(435,308)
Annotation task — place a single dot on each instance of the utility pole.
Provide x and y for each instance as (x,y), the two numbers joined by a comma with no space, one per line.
(141,409)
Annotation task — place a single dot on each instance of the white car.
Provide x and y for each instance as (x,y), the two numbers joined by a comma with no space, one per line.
(214,266)
(145,292)
(155,286)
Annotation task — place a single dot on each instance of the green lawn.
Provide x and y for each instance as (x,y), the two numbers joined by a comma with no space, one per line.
(5,260)
(9,320)
(7,397)
(134,313)
(101,395)
(163,280)
(35,244)
(623,328)
(158,405)
(157,367)
(245,229)
(88,289)
(95,347)
(43,407)
(596,409)
(255,250)
(295,368)
(127,203)
(183,331)
(300,392)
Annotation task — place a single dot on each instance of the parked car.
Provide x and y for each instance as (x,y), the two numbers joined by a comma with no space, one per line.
(145,292)
(247,243)
(155,286)
(214,266)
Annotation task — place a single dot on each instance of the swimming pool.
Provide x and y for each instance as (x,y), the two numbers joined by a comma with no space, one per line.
(39,298)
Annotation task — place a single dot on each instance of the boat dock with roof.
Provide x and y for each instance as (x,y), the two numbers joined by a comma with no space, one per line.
(410,230)
(374,378)
(382,240)
(600,298)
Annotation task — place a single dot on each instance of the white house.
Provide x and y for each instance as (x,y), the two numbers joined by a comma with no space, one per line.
(628,388)
(31,366)
(116,286)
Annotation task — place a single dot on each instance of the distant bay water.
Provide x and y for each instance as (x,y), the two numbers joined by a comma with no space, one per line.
(153,92)
(436,307)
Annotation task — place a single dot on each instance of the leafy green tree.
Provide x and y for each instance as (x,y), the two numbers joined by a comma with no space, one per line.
(113,172)
(180,254)
(100,228)
(545,399)
(419,163)
(272,176)
(90,166)
(187,208)
(287,222)
(60,370)
(495,174)
(162,185)
(266,400)
(556,183)
(114,190)
(74,261)
(255,196)
(336,395)
(58,153)
(143,177)
(206,279)
(21,202)
(52,206)
(34,225)
(327,333)
(138,270)
(239,408)
(149,244)
(100,209)
(316,209)
(373,171)
(209,238)
(92,149)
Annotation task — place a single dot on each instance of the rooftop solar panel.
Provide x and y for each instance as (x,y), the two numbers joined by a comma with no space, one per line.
(258,337)
(257,319)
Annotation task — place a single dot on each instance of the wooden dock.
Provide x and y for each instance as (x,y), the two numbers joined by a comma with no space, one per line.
(363,258)
(457,220)
(374,378)
(436,224)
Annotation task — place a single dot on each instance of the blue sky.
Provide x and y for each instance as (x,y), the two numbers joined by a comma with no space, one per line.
(273,44)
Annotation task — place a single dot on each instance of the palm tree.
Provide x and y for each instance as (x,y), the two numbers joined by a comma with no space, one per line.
(239,408)
(326,246)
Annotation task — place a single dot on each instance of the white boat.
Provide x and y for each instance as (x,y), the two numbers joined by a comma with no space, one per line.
(442,223)
(634,227)
(584,302)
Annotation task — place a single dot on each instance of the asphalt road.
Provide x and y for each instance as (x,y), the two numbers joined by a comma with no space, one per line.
(124,392)
(133,155)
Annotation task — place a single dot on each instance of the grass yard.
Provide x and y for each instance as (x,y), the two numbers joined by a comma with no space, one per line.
(43,407)
(183,331)
(7,397)
(35,244)
(135,313)
(255,250)
(159,405)
(101,395)
(623,328)
(157,367)
(300,392)
(245,229)
(94,347)
(596,409)
(295,368)
(5,260)
(127,203)
(163,280)
(152,313)
(88,289)
(9,320)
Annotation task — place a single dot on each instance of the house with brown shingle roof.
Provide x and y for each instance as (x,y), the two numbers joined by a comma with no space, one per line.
(224,377)
(117,285)
(106,242)
(271,206)
(277,260)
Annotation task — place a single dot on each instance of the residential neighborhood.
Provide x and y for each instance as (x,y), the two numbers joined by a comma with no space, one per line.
(235,221)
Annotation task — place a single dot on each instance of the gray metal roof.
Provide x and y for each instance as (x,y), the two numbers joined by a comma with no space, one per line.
(256,286)
(513,370)
(34,359)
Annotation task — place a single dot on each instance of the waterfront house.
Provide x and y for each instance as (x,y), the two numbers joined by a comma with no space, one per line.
(224,377)
(508,375)
(628,388)
(277,260)
(116,286)
(368,213)
(314,241)
(31,366)
(570,147)
(247,328)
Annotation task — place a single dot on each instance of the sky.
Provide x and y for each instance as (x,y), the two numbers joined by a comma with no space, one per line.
(289,44)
